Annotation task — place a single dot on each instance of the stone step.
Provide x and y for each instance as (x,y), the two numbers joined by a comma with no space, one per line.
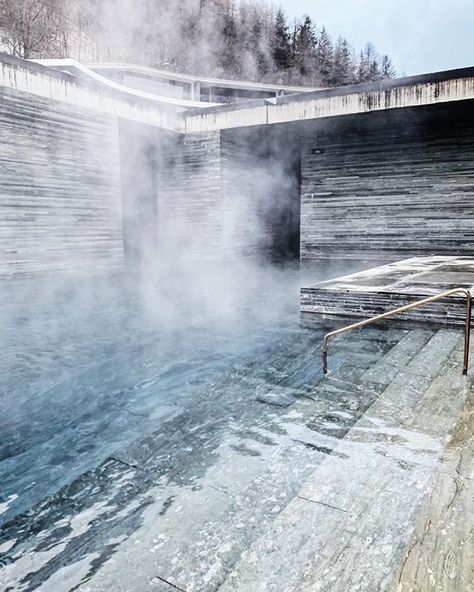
(258,465)
(439,555)
(349,524)
(252,480)
(386,369)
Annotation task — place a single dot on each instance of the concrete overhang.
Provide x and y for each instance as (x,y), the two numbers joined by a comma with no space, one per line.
(57,85)
(102,95)
(413,91)
(204,81)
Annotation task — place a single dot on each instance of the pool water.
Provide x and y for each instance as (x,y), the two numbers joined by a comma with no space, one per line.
(181,404)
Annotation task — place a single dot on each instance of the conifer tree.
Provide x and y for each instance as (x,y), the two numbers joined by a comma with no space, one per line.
(343,69)
(220,38)
(229,55)
(368,64)
(281,42)
(325,57)
(374,71)
(305,52)
(255,59)
(387,68)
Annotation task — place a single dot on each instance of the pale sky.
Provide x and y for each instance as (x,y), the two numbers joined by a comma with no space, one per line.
(420,36)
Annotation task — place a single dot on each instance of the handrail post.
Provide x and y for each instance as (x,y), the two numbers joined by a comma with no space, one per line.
(325,355)
(467,331)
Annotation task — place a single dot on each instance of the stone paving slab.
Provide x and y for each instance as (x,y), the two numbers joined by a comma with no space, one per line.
(383,288)
(387,368)
(375,481)
(440,554)
(286,505)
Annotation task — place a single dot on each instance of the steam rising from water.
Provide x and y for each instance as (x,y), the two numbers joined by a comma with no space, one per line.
(192,206)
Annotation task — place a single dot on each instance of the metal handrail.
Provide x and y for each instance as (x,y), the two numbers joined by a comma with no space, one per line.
(467,326)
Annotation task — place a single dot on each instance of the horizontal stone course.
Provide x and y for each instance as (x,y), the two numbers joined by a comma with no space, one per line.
(389,185)
(384,288)
(60,203)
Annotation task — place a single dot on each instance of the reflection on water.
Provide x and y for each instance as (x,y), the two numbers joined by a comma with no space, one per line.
(126,402)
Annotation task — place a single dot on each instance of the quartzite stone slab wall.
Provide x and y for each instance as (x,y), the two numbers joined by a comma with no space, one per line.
(389,185)
(60,207)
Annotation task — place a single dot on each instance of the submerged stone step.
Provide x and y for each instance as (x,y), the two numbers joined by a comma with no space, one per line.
(348,525)
(249,478)
(402,394)
(228,475)
(385,370)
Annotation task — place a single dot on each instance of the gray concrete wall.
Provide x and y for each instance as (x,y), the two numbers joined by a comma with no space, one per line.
(147,155)
(60,204)
(377,185)
(389,185)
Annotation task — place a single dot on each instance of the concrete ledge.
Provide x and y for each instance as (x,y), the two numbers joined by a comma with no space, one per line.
(383,288)
(27,77)
(415,91)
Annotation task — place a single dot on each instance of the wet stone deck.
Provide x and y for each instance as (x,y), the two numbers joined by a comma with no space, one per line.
(320,493)
(219,458)
(441,550)
(383,288)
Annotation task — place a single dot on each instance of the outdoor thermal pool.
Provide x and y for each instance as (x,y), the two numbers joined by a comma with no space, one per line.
(152,430)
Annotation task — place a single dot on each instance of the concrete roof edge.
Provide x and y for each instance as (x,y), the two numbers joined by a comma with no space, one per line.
(381,85)
(87,82)
(226,107)
(204,80)
(6,58)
